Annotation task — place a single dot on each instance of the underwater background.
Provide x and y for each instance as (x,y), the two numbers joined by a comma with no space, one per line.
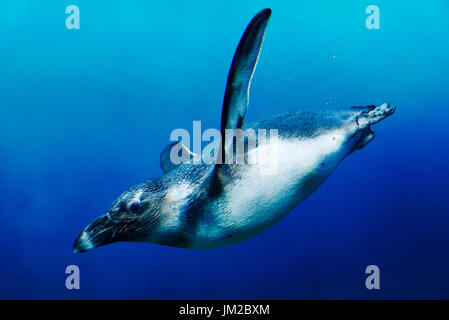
(85,114)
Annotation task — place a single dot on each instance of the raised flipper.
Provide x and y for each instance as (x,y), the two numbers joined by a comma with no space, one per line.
(243,65)
(173,155)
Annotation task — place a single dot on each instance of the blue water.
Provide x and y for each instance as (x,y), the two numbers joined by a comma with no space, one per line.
(85,114)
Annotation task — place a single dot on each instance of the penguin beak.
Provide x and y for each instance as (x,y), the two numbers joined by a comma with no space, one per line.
(100,232)
(368,116)
(374,115)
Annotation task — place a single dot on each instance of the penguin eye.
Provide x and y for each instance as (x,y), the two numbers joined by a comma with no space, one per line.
(134,207)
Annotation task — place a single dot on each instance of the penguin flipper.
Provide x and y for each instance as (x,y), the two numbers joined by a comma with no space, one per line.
(235,103)
(173,155)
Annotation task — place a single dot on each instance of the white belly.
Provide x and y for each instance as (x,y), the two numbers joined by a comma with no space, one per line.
(265,192)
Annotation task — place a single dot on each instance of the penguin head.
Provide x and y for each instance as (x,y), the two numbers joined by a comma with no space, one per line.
(364,117)
(354,124)
(132,217)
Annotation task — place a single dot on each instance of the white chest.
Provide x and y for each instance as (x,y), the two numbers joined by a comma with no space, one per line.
(284,175)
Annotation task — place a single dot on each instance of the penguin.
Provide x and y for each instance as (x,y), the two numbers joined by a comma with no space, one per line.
(232,196)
